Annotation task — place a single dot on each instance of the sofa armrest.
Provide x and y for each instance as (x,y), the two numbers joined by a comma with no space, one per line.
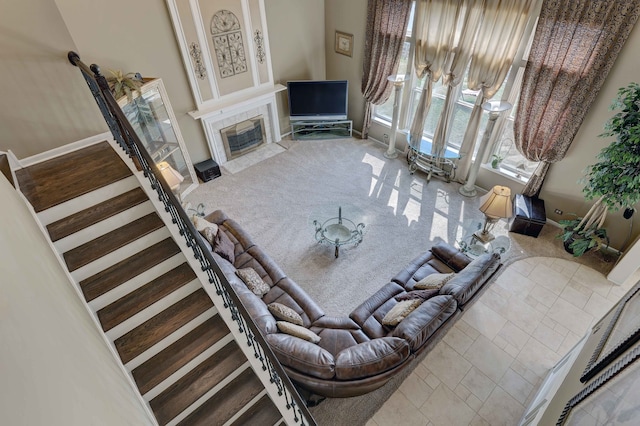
(420,324)
(371,358)
(467,282)
(303,356)
(451,256)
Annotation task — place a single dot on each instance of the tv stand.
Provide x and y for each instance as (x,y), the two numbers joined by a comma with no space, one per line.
(321,129)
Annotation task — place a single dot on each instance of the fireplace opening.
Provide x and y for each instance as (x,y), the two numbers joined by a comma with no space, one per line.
(243,137)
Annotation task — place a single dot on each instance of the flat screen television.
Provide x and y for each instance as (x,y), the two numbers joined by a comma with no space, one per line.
(317,100)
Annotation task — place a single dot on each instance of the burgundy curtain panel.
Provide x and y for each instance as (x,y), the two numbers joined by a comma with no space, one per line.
(387,22)
(575,44)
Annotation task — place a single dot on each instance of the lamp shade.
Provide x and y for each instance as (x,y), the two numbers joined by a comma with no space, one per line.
(170,175)
(497,202)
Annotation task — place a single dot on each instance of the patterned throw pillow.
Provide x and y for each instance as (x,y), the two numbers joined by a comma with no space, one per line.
(298,331)
(253,281)
(284,313)
(400,311)
(418,294)
(201,224)
(209,234)
(434,281)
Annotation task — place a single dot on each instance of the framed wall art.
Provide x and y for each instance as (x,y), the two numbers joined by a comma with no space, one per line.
(621,333)
(344,43)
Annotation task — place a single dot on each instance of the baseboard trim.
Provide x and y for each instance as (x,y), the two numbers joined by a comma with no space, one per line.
(65,149)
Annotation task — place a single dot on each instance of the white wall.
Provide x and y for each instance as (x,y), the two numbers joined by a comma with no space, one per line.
(55,368)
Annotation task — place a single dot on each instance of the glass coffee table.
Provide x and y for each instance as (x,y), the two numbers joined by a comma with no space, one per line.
(343,226)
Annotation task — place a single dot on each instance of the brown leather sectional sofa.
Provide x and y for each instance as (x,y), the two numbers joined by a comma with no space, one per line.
(356,354)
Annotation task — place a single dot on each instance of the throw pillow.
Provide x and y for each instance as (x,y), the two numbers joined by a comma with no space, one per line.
(224,247)
(298,331)
(284,313)
(201,223)
(209,234)
(253,281)
(418,294)
(434,281)
(400,311)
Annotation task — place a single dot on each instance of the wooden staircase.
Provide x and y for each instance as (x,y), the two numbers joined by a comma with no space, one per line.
(149,302)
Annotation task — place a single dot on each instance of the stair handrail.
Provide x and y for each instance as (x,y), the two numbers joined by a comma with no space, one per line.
(126,137)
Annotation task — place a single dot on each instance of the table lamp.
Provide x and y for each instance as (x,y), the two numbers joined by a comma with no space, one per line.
(495,204)
(172,177)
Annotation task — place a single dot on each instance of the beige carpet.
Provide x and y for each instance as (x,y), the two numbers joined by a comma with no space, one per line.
(277,199)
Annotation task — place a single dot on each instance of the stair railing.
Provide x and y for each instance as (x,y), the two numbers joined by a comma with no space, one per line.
(126,137)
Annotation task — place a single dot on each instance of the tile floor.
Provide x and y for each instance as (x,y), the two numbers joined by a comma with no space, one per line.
(488,367)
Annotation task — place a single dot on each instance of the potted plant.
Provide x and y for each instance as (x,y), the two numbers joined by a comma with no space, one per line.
(124,84)
(497,159)
(579,240)
(614,179)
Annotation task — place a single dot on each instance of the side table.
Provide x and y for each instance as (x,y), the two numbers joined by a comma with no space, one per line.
(470,245)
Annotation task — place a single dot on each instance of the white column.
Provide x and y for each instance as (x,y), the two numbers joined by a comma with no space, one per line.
(398,83)
(494,108)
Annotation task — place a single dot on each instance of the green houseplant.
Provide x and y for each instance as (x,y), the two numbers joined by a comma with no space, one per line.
(615,179)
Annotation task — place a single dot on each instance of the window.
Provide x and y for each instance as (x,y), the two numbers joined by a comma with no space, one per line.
(503,146)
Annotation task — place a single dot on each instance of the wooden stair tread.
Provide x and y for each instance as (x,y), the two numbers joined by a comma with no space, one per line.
(168,361)
(196,383)
(94,214)
(123,271)
(111,241)
(161,325)
(143,297)
(227,402)
(61,179)
(263,412)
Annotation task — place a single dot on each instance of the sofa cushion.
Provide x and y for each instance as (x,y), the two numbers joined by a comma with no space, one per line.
(301,355)
(298,331)
(433,281)
(284,313)
(371,358)
(425,320)
(400,312)
(289,293)
(252,303)
(253,281)
(467,282)
(418,294)
(370,313)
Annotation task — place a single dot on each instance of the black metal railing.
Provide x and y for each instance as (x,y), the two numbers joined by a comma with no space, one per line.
(126,137)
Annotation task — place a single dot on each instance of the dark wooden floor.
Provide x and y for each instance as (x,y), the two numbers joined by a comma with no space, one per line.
(61,179)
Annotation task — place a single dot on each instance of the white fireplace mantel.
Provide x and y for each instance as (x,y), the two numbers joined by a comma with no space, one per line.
(225,114)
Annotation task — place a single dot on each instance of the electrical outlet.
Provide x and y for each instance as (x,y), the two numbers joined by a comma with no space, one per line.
(558,211)
(385,137)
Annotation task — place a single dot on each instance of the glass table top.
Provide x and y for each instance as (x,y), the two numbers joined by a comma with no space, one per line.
(473,247)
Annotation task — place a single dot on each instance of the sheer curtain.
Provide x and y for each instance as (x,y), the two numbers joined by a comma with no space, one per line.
(468,19)
(434,28)
(387,22)
(573,49)
(498,40)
